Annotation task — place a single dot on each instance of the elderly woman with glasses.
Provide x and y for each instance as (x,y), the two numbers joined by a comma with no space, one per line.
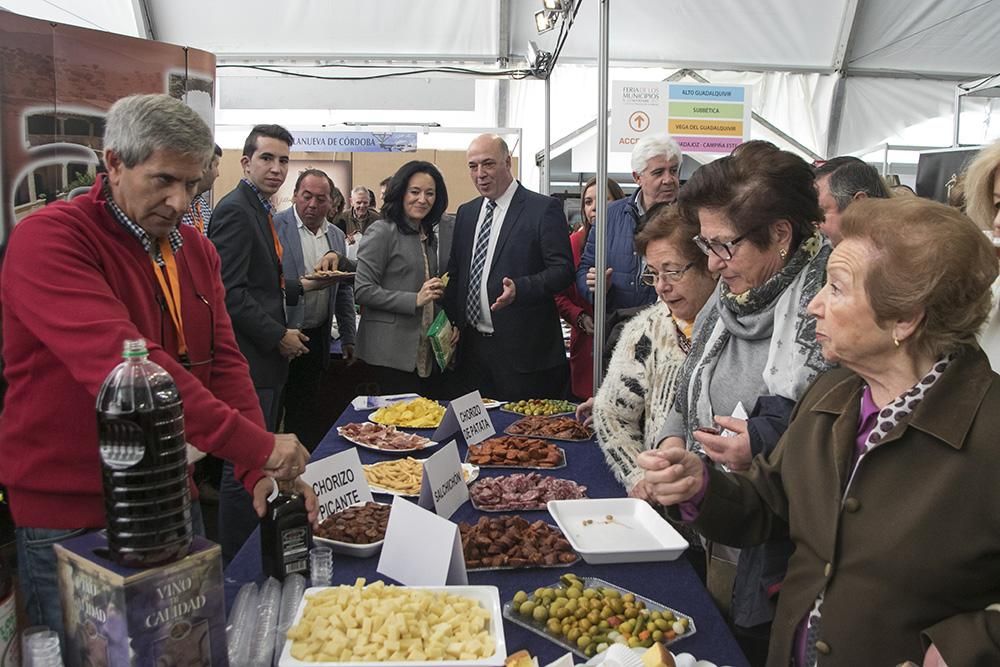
(754,350)
(886,479)
(638,391)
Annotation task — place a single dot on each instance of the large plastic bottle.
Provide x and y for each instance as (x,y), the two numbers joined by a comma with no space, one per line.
(143,457)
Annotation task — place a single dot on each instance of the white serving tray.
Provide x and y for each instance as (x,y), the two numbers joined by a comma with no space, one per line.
(487,596)
(636,534)
(350,548)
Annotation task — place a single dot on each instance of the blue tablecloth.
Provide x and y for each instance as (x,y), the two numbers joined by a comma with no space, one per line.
(673,584)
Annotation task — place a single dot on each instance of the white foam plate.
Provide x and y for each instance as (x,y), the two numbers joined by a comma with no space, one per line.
(487,596)
(364,403)
(636,533)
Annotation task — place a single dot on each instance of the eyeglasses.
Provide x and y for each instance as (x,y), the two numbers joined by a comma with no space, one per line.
(185,360)
(650,277)
(721,249)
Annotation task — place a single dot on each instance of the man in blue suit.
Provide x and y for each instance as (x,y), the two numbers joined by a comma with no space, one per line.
(510,255)
(307,238)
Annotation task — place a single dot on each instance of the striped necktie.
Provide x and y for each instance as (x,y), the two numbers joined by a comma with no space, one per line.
(472,306)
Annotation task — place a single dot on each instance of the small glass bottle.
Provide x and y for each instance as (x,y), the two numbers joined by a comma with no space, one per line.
(285,534)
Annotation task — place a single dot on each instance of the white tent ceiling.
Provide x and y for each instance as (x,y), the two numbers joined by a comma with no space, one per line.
(837,75)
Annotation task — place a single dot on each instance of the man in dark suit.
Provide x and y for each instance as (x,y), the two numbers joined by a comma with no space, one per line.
(306,238)
(243,232)
(510,255)
(445,230)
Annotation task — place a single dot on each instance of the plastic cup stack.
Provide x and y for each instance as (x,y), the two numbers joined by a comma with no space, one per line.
(41,648)
(321,565)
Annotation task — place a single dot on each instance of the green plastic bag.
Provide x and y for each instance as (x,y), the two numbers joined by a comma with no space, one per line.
(440,333)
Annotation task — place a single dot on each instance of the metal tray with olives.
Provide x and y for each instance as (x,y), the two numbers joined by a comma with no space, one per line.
(587,615)
(547,407)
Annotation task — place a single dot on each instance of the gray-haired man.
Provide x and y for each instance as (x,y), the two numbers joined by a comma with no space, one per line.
(80,278)
(656,163)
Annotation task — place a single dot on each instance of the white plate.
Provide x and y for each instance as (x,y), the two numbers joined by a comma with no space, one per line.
(487,596)
(615,657)
(636,534)
(351,549)
(472,470)
(618,656)
(385,450)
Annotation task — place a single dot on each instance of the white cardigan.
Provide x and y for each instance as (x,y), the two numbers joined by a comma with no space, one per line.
(638,391)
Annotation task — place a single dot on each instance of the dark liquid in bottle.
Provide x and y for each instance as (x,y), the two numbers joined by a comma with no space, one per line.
(285,536)
(146,496)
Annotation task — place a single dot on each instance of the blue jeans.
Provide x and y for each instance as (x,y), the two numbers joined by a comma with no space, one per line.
(36,570)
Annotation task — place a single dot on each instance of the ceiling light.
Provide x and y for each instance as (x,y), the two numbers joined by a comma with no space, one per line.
(545,20)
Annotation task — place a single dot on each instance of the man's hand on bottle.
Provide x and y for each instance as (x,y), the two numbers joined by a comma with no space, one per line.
(265,487)
(288,459)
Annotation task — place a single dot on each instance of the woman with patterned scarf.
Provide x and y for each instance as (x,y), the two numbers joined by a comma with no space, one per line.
(886,478)
(754,350)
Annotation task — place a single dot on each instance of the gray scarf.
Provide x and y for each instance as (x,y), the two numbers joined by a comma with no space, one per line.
(775,310)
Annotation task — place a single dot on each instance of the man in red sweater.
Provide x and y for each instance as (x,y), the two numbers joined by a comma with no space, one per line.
(78,279)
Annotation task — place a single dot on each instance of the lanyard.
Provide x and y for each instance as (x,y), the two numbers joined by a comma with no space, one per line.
(199,219)
(171,288)
(277,249)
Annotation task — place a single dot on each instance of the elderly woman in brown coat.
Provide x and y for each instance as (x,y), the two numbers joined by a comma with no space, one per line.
(886,479)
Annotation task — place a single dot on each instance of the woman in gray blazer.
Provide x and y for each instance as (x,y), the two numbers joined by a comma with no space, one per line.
(397,283)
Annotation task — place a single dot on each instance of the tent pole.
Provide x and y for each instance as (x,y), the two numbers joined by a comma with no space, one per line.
(956,115)
(546,180)
(601,192)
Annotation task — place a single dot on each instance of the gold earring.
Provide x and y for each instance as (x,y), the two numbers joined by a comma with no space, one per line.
(782,253)
(895,341)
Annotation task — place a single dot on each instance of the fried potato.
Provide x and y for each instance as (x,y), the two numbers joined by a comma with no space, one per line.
(402,475)
(419,413)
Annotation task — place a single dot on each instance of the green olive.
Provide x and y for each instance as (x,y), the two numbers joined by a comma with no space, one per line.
(520,597)
(527,608)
